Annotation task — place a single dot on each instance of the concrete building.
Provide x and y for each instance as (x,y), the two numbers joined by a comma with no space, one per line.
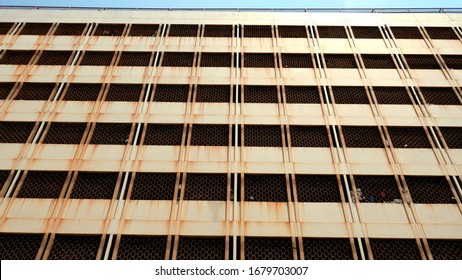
(132,134)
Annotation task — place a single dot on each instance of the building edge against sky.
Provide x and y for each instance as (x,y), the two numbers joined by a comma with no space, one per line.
(230,135)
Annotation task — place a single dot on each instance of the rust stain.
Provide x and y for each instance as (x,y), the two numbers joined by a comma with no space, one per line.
(251,226)
(75,39)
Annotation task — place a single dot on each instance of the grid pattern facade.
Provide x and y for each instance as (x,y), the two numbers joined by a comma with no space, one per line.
(205,133)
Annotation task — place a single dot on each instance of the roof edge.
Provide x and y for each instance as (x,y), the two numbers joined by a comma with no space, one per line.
(297,10)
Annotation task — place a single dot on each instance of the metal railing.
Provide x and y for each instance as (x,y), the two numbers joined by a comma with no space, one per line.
(297,10)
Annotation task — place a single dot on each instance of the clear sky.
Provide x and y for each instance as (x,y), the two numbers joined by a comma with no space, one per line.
(242,3)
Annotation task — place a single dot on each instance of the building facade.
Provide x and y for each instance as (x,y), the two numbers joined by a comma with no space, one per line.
(151,134)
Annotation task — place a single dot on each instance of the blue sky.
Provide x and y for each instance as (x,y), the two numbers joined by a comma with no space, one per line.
(243,3)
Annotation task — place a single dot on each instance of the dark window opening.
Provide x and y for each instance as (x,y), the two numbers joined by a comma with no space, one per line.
(144,30)
(394,249)
(452,136)
(16,57)
(443,33)
(135,59)
(295,60)
(124,92)
(178,59)
(183,30)
(327,249)
(340,61)
(67,247)
(332,32)
(3,177)
(366,32)
(453,61)
(440,96)
(109,29)
(445,249)
(213,94)
(258,248)
(257,31)
(265,187)
(430,190)
(350,95)
(54,57)
(70,29)
(134,247)
(154,186)
(168,135)
(317,188)
(292,32)
(111,134)
(262,136)
(65,133)
(92,58)
(201,248)
(406,33)
(392,95)
(210,135)
(36,29)
(409,137)
(171,93)
(19,246)
(205,187)
(82,92)
(378,61)
(15,132)
(91,185)
(215,60)
(309,136)
(362,137)
(259,60)
(5,89)
(40,184)
(35,91)
(260,94)
(302,95)
(5,27)
(377,189)
(421,61)
(218,31)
